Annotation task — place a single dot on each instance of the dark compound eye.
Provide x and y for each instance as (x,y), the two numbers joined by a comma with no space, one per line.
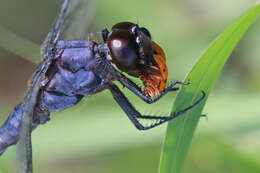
(124,50)
(145,31)
(130,46)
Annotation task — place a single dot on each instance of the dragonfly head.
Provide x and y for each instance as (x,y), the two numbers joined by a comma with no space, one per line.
(133,52)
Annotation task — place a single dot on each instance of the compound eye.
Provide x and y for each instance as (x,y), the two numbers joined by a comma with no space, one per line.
(124,50)
(145,31)
(123,25)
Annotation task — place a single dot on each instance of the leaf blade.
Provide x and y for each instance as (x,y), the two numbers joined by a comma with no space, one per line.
(202,78)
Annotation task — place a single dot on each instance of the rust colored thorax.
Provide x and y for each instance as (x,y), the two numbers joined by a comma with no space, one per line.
(154,81)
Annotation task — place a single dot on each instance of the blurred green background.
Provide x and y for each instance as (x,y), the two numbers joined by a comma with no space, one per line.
(96,136)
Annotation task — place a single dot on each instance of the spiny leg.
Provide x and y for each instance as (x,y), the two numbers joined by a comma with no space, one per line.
(175,114)
(137,90)
(133,114)
(133,87)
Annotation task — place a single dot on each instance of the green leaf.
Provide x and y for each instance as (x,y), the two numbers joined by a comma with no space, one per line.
(202,78)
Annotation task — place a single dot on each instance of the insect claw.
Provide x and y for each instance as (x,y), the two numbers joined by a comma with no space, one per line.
(204,116)
(183,83)
(186,83)
(174,89)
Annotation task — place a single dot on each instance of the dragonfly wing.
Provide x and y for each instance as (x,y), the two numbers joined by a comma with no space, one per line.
(56,30)
(79,19)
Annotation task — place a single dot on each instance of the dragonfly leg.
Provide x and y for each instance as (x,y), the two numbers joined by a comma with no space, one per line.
(137,90)
(133,114)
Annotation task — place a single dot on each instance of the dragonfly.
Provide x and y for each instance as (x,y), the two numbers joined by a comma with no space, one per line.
(71,70)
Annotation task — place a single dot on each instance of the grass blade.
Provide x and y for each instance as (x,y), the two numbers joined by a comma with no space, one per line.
(19,45)
(202,78)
